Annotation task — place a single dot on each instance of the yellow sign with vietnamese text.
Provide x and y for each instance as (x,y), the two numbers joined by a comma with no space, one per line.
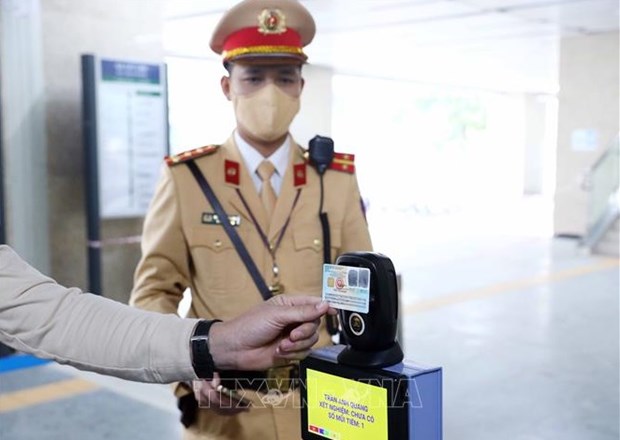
(345,409)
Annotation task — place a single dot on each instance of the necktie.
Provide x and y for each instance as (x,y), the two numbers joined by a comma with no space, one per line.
(267,194)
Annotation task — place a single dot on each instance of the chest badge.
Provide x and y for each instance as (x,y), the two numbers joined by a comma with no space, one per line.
(211,218)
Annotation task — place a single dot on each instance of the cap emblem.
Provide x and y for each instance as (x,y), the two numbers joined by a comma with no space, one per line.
(271,21)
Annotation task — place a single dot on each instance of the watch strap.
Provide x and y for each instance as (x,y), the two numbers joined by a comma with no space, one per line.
(202,361)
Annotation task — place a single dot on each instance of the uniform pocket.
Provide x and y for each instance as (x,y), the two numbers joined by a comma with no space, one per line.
(308,243)
(312,238)
(213,237)
(218,270)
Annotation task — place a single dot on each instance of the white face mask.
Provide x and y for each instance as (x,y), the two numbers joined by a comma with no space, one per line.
(267,113)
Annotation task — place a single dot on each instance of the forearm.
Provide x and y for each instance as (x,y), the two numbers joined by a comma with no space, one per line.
(92,333)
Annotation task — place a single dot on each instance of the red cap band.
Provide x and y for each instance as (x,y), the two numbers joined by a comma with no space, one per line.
(250,40)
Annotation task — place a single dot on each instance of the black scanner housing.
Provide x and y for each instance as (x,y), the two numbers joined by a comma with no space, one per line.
(376,346)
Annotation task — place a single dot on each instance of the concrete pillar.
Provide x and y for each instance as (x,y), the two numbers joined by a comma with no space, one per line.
(587,121)
(2,202)
(535,130)
(23,130)
(120,29)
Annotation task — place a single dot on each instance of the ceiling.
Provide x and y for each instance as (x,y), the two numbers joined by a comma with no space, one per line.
(504,45)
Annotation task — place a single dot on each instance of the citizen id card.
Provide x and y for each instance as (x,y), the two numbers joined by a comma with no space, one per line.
(346,287)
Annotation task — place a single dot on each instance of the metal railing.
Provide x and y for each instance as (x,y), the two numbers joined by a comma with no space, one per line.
(602,182)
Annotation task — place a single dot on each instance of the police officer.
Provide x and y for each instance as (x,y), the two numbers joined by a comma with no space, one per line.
(270,196)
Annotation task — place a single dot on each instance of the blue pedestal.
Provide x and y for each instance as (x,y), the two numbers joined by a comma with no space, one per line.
(400,402)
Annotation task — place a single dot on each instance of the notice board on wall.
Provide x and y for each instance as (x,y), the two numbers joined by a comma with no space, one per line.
(125,124)
(126,117)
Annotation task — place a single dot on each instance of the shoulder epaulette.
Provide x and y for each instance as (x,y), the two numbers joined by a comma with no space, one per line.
(343,162)
(191,154)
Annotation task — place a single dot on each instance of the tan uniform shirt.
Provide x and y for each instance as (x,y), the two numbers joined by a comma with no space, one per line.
(182,248)
(89,332)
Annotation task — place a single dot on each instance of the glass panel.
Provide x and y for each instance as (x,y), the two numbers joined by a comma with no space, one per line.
(604,178)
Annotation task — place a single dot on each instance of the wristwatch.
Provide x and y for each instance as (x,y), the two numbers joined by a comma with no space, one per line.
(202,361)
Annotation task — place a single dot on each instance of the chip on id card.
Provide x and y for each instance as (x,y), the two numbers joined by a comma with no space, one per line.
(346,288)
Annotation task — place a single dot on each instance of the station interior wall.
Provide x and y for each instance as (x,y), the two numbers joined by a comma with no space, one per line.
(40,48)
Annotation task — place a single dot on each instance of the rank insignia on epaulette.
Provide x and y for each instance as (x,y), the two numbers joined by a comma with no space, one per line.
(191,154)
(343,162)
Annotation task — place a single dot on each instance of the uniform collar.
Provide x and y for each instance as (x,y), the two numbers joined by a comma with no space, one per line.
(253,158)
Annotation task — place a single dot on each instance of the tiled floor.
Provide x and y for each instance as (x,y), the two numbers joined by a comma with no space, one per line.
(97,413)
(536,358)
(525,327)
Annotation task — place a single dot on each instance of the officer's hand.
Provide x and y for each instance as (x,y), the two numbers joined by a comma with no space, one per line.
(275,332)
(207,396)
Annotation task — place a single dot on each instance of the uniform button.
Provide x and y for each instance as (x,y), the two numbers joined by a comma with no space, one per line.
(317,242)
(217,243)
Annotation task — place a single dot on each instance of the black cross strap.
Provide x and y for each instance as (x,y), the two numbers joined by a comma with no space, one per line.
(230,231)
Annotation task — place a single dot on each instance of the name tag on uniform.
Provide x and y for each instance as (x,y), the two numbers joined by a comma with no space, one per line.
(211,218)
